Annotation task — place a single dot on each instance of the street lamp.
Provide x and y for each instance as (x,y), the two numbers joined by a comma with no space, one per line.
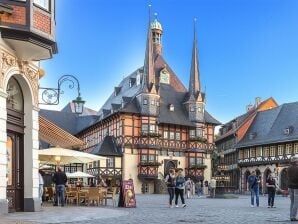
(51,96)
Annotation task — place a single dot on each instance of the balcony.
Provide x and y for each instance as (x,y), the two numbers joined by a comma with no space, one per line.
(28,29)
(148,170)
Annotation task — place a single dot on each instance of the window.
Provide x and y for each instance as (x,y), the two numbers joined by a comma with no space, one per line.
(145,102)
(192,108)
(172,108)
(199,132)
(110,162)
(192,133)
(172,135)
(43,3)
(130,83)
(288,149)
(165,134)
(145,128)
(252,152)
(272,150)
(144,157)
(14,98)
(280,150)
(157,103)
(151,158)
(192,161)
(259,151)
(241,154)
(266,151)
(246,153)
(152,128)
(296,148)
(178,137)
(153,102)
(138,79)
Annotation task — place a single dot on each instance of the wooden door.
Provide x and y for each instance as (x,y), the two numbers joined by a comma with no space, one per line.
(15,172)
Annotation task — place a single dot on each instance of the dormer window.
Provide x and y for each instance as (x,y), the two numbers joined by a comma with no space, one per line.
(252,136)
(153,102)
(288,130)
(138,79)
(171,107)
(130,83)
(157,103)
(145,102)
(192,109)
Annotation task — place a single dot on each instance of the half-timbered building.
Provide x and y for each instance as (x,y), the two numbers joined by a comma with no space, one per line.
(151,122)
(230,134)
(268,145)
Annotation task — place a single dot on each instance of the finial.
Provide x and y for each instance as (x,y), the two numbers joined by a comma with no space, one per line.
(195,28)
(149,11)
(155,14)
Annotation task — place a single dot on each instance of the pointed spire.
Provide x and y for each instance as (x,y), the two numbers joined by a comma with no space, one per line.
(149,75)
(194,81)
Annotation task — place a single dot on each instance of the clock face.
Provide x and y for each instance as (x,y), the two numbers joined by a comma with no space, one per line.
(164,76)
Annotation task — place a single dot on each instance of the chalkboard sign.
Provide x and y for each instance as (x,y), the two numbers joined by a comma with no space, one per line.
(127,196)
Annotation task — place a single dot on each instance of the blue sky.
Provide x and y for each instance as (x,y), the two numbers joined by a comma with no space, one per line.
(247,48)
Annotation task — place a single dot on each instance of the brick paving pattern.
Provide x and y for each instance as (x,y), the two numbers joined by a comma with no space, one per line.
(153,209)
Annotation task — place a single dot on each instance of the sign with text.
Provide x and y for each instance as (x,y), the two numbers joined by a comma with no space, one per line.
(127,196)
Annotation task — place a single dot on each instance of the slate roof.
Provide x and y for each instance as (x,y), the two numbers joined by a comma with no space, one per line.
(240,120)
(269,126)
(70,122)
(175,93)
(70,108)
(107,147)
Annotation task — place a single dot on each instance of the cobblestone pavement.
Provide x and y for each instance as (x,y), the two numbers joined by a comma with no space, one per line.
(153,209)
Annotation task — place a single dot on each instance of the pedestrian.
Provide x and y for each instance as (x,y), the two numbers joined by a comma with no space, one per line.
(293,187)
(199,188)
(41,183)
(271,187)
(60,180)
(193,192)
(188,188)
(170,181)
(179,189)
(253,184)
(260,186)
(212,187)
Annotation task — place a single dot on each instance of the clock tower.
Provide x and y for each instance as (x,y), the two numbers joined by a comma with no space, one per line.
(156,36)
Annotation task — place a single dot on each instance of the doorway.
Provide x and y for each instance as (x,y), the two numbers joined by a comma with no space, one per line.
(15,147)
(169,164)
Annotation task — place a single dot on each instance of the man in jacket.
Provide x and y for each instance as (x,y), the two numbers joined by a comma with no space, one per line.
(60,180)
(293,187)
(253,183)
(212,187)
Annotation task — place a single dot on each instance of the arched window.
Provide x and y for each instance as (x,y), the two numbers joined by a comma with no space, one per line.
(14,98)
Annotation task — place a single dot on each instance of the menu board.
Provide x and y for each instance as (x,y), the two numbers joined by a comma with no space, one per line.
(127,196)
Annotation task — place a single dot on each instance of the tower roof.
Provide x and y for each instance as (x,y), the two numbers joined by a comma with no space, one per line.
(194,81)
(156,25)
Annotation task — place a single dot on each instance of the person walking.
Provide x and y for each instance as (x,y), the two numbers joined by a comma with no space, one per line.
(212,187)
(170,181)
(179,189)
(60,180)
(188,188)
(41,183)
(193,192)
(293,187)
(253,183)
(271,187)
(199,186)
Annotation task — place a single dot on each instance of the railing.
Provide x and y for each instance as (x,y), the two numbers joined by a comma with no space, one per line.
(157,142)
(148,172)
(195,173)
(103,171)
(263,160)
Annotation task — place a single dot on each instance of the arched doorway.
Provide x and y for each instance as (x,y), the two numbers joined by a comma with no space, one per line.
(245,177)
(169,164)
(267,172)
(15,146)
(284,179)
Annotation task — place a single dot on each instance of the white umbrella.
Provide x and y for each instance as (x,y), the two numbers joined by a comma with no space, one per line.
(59,155)
(78,174)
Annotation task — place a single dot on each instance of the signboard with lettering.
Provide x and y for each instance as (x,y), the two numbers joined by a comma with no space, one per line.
(127,196)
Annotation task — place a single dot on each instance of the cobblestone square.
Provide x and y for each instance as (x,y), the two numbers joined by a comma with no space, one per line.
(154,209)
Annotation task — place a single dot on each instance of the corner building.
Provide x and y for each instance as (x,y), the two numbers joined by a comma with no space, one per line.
(27,29)
(155,121)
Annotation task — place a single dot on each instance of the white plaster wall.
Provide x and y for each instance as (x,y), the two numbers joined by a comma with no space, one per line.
(3,139)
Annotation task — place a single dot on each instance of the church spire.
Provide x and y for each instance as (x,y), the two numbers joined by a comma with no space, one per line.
(149,74)
(194,81)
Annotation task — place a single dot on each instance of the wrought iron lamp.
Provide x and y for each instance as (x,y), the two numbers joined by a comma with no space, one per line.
(51,96)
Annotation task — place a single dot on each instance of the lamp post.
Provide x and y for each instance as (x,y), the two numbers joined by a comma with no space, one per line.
(51,96)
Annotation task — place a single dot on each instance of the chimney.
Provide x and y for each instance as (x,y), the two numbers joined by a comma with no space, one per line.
(258,101)
(249,107)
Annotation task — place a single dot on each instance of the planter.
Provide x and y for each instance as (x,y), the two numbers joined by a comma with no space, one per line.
(198,167)
(198,139)
(149,164)
(153,135)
